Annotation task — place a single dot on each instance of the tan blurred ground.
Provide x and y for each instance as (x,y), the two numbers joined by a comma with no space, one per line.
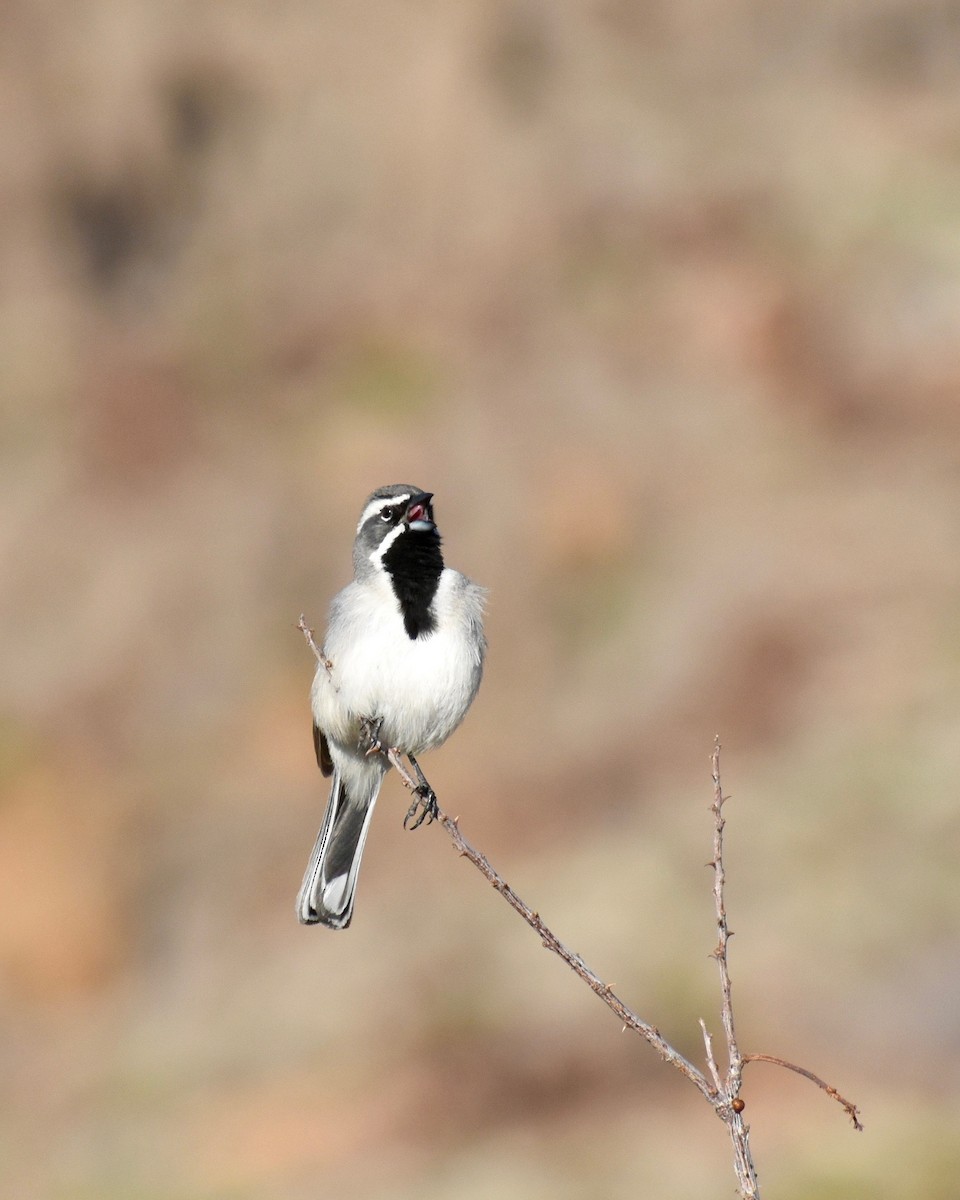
(662,302)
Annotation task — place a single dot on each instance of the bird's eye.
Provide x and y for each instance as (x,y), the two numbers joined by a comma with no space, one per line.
(386,514)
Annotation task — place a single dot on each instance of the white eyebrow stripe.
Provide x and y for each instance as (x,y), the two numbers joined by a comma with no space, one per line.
(376,555)
(375,505)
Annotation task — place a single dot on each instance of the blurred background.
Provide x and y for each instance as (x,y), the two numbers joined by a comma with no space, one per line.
(661,301)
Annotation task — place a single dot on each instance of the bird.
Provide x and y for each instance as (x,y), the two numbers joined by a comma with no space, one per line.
(400,665)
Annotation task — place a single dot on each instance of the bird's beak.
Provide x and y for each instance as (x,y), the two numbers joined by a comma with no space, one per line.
(419,518)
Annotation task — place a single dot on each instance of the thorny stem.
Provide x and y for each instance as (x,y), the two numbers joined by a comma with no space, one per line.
(851,1109)
(735,1065)
(728,1106)
(722,1095)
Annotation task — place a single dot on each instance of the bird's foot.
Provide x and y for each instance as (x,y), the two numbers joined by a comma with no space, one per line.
(369,741)
(424,806)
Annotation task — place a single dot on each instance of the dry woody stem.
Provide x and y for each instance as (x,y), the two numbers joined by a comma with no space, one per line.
(850,1109)
(721,1090)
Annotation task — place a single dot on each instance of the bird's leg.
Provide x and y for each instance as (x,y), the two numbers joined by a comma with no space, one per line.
(424,806)
(370,735)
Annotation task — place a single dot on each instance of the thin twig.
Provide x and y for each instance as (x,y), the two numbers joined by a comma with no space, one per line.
(317,652)
(851,1109)
(711,1058)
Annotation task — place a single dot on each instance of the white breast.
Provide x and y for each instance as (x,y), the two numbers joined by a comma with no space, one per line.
(421,687)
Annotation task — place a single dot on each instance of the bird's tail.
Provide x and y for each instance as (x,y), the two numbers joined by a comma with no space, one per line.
(330,882)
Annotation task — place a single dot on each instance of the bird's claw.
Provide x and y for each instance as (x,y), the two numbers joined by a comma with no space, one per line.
(423,808)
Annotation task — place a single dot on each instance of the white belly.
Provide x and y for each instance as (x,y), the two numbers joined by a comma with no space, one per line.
(421,687)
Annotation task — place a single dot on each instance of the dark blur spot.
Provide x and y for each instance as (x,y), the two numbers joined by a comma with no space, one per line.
(128,225)
(110,223)
(909,46)
(198,105)
(643,22)
(519,57)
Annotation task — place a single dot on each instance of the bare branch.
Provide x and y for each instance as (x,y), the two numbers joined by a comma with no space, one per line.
(735,1061)
(851,1109)
(729,1106)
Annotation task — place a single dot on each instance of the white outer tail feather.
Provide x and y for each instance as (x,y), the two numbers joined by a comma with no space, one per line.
(329,901)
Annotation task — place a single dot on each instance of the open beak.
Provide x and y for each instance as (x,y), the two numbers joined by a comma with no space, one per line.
(420,514)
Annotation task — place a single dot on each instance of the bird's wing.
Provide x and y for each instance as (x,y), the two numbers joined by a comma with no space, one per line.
(324,761)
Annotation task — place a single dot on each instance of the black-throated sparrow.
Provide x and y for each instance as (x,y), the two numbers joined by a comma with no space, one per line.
(402,660)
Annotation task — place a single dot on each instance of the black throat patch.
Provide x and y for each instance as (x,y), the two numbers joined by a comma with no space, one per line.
(414,564)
